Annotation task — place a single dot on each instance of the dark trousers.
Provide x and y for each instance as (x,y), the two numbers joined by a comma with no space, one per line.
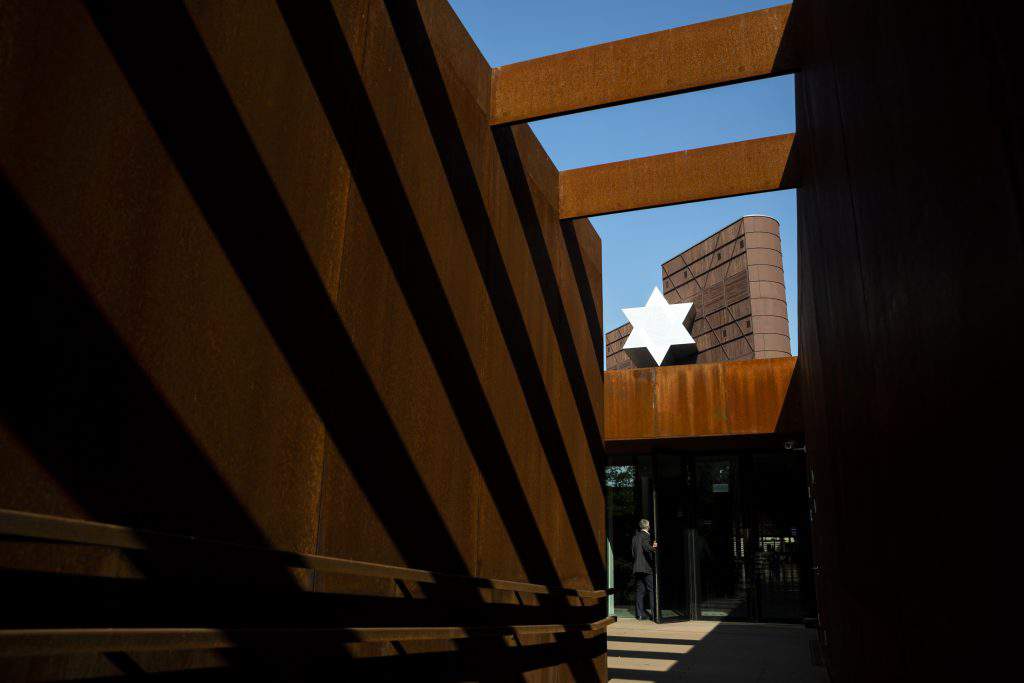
(644,586)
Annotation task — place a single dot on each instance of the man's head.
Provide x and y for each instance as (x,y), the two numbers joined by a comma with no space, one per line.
(645,525)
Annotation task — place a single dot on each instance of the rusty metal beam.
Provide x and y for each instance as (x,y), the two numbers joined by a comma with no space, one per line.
(30,525)
(40,642)
(738,398)
(738,48)
(693,175)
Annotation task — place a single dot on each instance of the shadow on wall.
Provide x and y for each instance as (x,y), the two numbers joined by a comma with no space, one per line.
(469,200)
(94,419)
(109,438)
(791,415)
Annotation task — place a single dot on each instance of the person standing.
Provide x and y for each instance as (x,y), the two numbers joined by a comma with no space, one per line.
(643,567)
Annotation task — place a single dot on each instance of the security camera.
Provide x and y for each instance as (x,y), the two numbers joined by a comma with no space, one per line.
(792,445)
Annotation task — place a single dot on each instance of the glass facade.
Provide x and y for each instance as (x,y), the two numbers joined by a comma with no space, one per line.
(732,531)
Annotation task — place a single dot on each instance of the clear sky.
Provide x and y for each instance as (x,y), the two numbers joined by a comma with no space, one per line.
(635,244)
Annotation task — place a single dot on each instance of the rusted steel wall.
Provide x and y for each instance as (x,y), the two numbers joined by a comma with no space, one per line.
(271,278)
(910,259)
(740,398)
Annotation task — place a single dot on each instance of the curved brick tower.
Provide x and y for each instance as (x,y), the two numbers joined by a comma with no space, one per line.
(736,282)
(768,315)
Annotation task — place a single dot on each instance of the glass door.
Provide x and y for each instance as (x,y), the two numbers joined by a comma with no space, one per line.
(732,531)
(781,549)
(720,552)
(629,497)
(671,525)
(622,500)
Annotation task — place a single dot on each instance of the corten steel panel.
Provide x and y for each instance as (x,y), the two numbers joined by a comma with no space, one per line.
(738,48)
(314,303)
(737,168)
(689,402)
(152,310)
(754,397)
(633,405)
(151,389)
(583,248)
(574,254)
(424,449)
(906,438)
(444,239)
(511,437)
(457,265)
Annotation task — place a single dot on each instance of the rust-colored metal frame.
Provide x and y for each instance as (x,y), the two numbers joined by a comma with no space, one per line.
(736,48)
(751,398)
(743,47)
(737,168)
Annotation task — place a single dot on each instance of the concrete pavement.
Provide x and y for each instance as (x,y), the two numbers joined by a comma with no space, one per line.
(712,652)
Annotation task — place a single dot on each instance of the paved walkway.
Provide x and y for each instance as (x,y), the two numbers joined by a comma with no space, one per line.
(712,652)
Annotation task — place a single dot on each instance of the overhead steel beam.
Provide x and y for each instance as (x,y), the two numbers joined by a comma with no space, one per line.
(737,48)
(693,175)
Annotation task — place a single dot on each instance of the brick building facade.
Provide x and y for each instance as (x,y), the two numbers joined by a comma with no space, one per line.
(735,280)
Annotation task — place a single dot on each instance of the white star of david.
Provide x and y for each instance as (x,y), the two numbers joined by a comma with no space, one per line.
(658,328)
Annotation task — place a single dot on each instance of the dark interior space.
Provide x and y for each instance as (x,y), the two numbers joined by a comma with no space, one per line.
(733,532)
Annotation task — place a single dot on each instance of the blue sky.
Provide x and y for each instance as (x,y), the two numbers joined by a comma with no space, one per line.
(635,244)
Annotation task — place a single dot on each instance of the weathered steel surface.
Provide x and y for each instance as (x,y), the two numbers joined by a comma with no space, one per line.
(759,165)
(737,48)
(148,290)
(753,397)
(37,642)
(28,525)
(275,285)
(911,233)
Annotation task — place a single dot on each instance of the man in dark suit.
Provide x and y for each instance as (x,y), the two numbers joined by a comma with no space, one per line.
(643,567)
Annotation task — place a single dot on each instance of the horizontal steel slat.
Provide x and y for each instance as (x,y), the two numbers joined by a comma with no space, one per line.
(52,528)
(39,642)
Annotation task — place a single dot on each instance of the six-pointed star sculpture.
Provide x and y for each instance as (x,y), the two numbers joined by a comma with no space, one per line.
(659,329)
